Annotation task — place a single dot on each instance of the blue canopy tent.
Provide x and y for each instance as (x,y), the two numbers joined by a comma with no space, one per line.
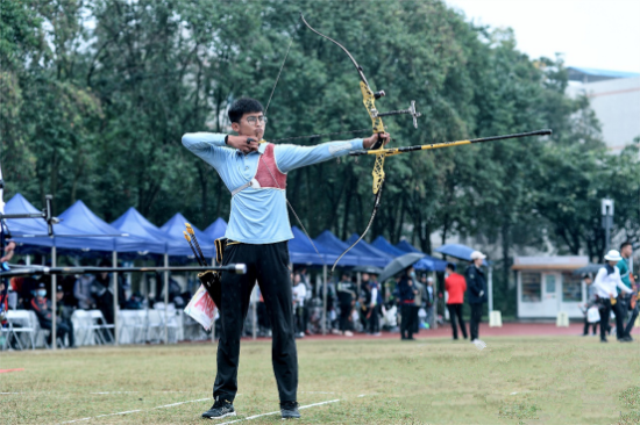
(301,250)
(370,251)
(407,247)
(329,243)
(134,223)
(91,233)
(80,229)
(385,246)
(23,231)
(174,229)
(216,230)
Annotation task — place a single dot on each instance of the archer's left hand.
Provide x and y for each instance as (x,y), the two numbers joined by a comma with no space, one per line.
(370,141)
(8,252)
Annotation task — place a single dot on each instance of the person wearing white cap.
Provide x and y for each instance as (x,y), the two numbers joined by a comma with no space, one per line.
(477,290)
(605,284)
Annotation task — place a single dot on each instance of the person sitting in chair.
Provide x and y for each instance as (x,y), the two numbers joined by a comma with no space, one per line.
(42,307)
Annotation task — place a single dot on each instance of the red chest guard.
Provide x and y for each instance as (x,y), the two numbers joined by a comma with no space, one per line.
(268,174)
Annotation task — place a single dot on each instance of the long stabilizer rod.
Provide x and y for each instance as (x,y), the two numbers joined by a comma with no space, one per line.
(27,271)
(402,149)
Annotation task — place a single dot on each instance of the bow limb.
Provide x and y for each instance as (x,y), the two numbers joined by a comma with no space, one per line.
(369,101)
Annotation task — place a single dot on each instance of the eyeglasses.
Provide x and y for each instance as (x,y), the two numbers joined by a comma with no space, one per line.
(254,120)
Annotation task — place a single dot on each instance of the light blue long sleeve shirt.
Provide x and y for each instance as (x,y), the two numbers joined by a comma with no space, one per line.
(259,216)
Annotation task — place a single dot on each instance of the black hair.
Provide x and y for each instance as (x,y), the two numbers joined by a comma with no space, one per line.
(624,244)
(451,266)
(242,106)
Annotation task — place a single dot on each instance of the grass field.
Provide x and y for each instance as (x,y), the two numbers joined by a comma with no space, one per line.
(516,380)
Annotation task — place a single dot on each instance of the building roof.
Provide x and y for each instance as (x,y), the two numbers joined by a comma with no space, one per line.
(560,263)
(589,75)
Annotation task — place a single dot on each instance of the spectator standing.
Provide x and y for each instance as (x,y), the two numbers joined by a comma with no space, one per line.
(406,295)
(591,302)
(42,307)
(606,283)
(299,294)
(430,301)
(455,285)
(418,301)
(306,280)
(365,301)
(347,298)
(103,295)
(625,300)
(477,286)
(82,291)
(375,306)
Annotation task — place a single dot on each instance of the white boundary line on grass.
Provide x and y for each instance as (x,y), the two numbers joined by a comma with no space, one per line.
(275,413)
(135,411)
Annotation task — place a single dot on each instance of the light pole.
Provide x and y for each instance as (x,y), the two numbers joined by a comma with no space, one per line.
(607,221)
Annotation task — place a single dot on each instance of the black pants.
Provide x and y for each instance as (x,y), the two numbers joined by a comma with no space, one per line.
(476,317)
(632,319)
(587,324)
(269,265)
(299,319)
(63,327)
(406,325)
(345,316)
(455,310)
(374,319)
(605,312)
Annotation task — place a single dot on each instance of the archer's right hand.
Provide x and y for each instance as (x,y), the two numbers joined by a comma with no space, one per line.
(243,143)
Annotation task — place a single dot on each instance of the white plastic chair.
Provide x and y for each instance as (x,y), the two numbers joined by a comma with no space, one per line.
(131,327)
(93,325)
(28,325)
(171,320)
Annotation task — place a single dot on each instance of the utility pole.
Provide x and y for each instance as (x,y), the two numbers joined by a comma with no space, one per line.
(607,222)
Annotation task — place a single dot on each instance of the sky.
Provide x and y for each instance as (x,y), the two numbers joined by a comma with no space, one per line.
(603,34)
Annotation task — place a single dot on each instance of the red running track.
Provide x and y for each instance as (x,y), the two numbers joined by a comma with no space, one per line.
(507,329)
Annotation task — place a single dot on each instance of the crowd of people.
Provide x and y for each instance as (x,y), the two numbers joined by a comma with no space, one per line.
(404,304)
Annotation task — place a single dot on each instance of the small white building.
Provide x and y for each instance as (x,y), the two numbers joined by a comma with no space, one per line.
(547,286)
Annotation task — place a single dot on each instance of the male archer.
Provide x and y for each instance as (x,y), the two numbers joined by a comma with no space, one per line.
(255,172)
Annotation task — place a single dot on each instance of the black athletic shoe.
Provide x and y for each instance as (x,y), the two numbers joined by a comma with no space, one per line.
(626,339)
(289,410)
(220,409)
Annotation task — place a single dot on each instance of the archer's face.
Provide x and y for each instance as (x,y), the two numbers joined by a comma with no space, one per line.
(251,125)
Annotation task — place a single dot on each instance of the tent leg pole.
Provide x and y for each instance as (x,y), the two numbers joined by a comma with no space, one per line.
(490,289)
(324,299)
(114,260)
(54,302)
(166,299)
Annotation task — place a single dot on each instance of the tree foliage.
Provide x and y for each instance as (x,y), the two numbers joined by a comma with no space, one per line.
(97,93)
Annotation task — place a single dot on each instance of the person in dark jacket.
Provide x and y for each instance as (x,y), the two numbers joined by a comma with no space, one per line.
(477,292)
(406,294)
(347,297)
(42,307)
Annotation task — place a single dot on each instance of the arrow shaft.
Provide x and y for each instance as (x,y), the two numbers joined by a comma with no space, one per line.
(403,149)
